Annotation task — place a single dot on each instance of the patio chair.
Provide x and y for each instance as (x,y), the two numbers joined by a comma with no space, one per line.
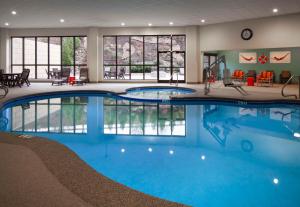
(84,75)
(227,81)
(121,74)
(24,78)
(238,75)
(63,78)
(265,77)
(285,76)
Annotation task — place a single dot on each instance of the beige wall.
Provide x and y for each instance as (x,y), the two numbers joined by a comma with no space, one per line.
(4,49)
(272,32)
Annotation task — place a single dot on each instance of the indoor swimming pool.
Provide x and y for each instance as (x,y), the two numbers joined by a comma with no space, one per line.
(195,153)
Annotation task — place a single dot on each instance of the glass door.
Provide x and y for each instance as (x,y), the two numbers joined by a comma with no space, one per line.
(178,66)
(171,66)
(164,66)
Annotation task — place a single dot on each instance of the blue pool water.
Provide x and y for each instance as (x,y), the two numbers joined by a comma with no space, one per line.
(156,93)
(200,154)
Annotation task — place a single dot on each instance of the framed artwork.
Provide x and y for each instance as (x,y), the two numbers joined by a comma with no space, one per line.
(280,57)
(248,57)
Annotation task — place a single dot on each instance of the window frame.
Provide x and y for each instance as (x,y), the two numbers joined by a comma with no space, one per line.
(48,65)
(116,65)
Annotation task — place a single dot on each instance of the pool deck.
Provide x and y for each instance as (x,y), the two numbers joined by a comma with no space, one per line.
(40,172)
(218,91)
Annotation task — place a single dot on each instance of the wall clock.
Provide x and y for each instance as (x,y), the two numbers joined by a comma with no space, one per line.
(247,34)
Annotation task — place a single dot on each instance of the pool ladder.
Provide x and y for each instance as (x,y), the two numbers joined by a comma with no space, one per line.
(286,84)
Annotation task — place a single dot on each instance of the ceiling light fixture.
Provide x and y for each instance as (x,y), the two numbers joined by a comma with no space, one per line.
(149,24)
(6,24)
(202,20)
(171,23)
(122,24)
(275,10)
(62,20)
(13,12)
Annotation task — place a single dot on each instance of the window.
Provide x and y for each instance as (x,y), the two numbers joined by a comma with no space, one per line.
(135,118)
(43,54)
(140,57)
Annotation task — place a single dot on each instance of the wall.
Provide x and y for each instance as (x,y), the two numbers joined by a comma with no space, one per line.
(272,32)
(4,49)
(232,60)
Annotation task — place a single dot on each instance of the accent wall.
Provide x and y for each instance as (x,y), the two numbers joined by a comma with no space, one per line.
(232,60)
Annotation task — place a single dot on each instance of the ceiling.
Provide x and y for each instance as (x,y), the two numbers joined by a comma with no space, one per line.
(110,13)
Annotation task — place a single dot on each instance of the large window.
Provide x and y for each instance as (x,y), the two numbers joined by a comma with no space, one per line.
(43,54)
(135,118)
(143,57)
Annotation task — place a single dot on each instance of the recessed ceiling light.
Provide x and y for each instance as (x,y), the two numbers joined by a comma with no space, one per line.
(13,12)
(275,10)
(171,23)
(203,20)
(122,24)
(149,24)
(6,24)
(62,20)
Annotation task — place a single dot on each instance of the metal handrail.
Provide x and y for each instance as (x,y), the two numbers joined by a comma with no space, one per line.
(208,70)
(285,85)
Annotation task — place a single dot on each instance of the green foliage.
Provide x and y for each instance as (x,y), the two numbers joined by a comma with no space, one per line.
(68,51)
(140,69)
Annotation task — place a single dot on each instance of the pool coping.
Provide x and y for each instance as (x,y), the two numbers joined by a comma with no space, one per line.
(173,99)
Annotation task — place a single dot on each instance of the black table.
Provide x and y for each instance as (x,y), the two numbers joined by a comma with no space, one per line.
(11,79)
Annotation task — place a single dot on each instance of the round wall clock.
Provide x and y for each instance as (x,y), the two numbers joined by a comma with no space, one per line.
(247,34)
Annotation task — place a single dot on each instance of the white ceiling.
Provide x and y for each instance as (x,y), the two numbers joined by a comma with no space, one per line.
(110,13)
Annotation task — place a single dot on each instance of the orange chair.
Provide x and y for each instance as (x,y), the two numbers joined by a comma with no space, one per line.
(238,75)
(265,77)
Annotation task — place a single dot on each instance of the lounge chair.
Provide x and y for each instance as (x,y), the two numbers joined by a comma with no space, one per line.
(227,81)
(265,77)
(84,75)
(24,78)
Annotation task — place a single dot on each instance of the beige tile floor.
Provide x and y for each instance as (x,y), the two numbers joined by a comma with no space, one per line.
(217,90)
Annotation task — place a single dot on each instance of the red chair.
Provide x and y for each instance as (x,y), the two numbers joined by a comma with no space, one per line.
(238,75)
(265,77)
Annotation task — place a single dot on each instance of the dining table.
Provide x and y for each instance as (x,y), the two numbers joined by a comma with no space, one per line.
(11,79)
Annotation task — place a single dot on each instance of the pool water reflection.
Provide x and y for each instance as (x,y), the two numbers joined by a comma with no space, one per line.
(206,154)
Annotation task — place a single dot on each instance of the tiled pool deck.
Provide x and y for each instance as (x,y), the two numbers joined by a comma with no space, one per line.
(217,91)
(39,172)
